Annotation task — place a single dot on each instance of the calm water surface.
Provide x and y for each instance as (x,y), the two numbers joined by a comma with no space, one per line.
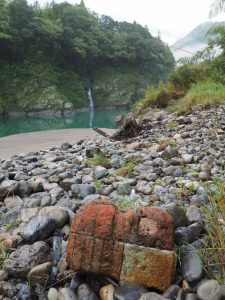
(101,118)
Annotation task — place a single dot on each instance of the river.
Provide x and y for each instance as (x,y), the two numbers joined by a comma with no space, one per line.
(20,124)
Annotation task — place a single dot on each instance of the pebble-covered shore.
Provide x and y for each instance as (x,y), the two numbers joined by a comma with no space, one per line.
(172,164)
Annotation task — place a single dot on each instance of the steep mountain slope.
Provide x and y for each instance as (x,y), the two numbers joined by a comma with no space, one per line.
(194,41)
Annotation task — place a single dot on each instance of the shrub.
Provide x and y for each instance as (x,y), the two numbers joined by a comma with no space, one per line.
(183,76)
(159,97)
(204,93)
(213,254)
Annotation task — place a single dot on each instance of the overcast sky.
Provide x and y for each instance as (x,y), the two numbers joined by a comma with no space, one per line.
(173,18)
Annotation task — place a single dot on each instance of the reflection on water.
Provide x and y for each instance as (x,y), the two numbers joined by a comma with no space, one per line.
(102,118)
(91,108)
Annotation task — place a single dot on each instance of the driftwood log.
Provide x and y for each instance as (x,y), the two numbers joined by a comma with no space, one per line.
(130,128)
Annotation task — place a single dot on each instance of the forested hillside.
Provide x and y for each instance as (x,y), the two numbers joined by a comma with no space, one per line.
(50,56)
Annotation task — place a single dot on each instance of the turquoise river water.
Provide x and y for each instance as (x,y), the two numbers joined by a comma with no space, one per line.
(20,124)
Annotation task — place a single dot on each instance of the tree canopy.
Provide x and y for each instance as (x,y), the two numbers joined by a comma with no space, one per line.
(71,35)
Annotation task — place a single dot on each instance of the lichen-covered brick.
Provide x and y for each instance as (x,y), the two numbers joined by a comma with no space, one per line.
(123,224)
(87,253)
(103,221)
(149,267)
(117,259)
(97,250)
(101,234)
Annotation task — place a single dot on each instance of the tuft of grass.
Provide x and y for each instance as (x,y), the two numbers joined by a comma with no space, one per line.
(172,124)
(98,184)
(10,225)
(99,159)
(163,144)
(213,254)
(205,93)
(124,203)
(4,254)
(127,169)
(158,97)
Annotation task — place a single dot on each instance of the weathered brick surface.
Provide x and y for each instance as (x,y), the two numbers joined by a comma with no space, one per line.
(100,233)
(149,267)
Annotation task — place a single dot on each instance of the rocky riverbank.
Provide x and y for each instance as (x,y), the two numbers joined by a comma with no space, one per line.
(174,164)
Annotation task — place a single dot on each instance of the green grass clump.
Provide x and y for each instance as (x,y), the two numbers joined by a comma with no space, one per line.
(213,254)
(11,225)
(172,124)
(204,93)
(4,254)
(158,97)
(98,184)
(125,203)
(127,169)
(99,159)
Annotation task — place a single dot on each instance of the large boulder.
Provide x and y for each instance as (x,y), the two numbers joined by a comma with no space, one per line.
(8,187)
(132,246)
(21,261)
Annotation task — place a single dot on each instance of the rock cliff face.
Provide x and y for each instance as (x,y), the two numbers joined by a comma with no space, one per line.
(43,87)
(160,183)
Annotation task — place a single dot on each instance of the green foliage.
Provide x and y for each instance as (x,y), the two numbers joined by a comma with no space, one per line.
(100,160)
(217,64)
(98,184)
(160,96)
(172,124)
(199,79)
(214,215)
(124,203)
(4,21)
(183,76)
(127,169)
(81,45)
(37,86)
(73,35)
(11,225)
(122,82)
(4,254)
(204,93)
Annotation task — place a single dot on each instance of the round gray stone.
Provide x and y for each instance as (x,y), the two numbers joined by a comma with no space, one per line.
(191,267)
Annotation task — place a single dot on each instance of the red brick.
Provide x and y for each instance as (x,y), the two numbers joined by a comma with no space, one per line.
(100,231)
(87,253)
(123,225)
(70,248)
(97,255)
(147,227)
(84,225)
(155,228)
(149,267)
(107,257)
(104,221)
(117,259)
(77,252)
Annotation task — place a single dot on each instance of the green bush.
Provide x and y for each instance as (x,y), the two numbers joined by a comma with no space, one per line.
(184,76)
(159,97)
(213,254)
(205,93)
